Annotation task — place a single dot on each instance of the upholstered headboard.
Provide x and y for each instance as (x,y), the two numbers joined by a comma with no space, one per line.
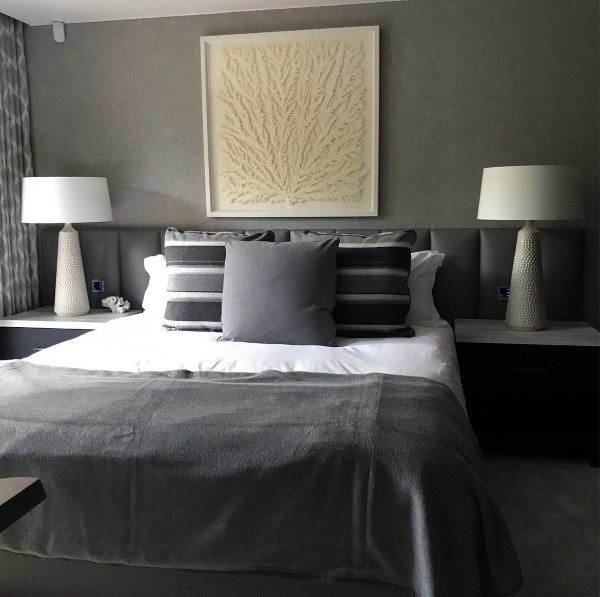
(477,262)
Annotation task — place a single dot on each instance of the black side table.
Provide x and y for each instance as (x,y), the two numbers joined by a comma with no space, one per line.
(532,390)
(25,333)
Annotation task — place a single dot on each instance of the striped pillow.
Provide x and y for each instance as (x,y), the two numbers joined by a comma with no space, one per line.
(372,296)
(195,266)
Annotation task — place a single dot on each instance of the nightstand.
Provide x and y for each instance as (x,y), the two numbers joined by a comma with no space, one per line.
(25,333)
(531,390)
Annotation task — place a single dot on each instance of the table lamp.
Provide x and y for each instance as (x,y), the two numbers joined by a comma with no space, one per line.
(67,200)
(529,193)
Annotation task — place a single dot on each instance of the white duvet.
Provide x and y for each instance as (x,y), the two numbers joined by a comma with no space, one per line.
(138,343)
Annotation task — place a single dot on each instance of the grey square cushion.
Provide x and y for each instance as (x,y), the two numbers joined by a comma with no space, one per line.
(280,293)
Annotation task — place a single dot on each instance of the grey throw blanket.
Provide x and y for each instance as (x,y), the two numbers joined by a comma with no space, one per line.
(331,476)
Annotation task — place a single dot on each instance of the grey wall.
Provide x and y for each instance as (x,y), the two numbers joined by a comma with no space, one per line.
(464,84)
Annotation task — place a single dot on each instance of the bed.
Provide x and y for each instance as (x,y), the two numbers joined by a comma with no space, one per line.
(359,469)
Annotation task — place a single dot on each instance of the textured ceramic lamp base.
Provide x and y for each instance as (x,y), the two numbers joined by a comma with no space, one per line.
(70,295)
(526,308)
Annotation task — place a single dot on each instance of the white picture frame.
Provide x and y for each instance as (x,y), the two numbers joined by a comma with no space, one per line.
(235,67)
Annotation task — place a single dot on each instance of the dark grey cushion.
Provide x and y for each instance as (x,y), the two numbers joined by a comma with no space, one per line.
(279,293)
(195,261)
(372,291)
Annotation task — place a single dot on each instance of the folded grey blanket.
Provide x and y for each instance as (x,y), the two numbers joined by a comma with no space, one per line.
(331,476)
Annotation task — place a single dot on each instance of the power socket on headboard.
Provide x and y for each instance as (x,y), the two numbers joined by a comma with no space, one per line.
(97,285)
(97,294)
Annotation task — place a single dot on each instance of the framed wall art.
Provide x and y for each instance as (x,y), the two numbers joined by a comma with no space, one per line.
(291,123)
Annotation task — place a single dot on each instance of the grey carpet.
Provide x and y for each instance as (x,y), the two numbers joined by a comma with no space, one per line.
(551,508)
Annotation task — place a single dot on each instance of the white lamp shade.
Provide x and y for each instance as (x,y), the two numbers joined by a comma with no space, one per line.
(531,193)
(62,199)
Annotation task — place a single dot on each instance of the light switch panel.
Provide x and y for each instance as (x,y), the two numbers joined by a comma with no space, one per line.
(97,285)
(503,293)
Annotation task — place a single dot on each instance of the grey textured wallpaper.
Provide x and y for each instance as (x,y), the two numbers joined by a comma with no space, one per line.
(464,84)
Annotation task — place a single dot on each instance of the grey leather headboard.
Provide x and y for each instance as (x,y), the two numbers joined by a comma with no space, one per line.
(477,262)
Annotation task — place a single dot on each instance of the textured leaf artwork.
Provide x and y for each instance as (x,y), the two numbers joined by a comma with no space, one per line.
(293,123)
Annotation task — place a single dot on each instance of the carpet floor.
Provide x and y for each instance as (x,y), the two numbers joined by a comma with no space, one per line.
(551,508)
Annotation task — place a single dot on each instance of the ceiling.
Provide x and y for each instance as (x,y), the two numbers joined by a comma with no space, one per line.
(43,12)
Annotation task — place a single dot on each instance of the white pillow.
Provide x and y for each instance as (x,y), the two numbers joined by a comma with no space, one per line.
(423,267)
(155,297)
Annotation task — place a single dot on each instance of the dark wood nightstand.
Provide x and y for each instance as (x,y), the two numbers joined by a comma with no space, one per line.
(532,390)
(25,333)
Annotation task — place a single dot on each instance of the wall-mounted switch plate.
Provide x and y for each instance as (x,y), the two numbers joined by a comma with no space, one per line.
(97,285)
(503,293)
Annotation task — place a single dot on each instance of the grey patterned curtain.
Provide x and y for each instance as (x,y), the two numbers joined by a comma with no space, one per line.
(18,244)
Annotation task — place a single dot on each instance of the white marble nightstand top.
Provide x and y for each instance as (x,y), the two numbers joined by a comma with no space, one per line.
(556,333)
(44,317)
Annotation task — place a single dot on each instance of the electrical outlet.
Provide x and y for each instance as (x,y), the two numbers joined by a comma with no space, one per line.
(97,285)
(503,293)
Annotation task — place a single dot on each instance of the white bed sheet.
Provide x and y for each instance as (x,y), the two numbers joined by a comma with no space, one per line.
(138,343)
